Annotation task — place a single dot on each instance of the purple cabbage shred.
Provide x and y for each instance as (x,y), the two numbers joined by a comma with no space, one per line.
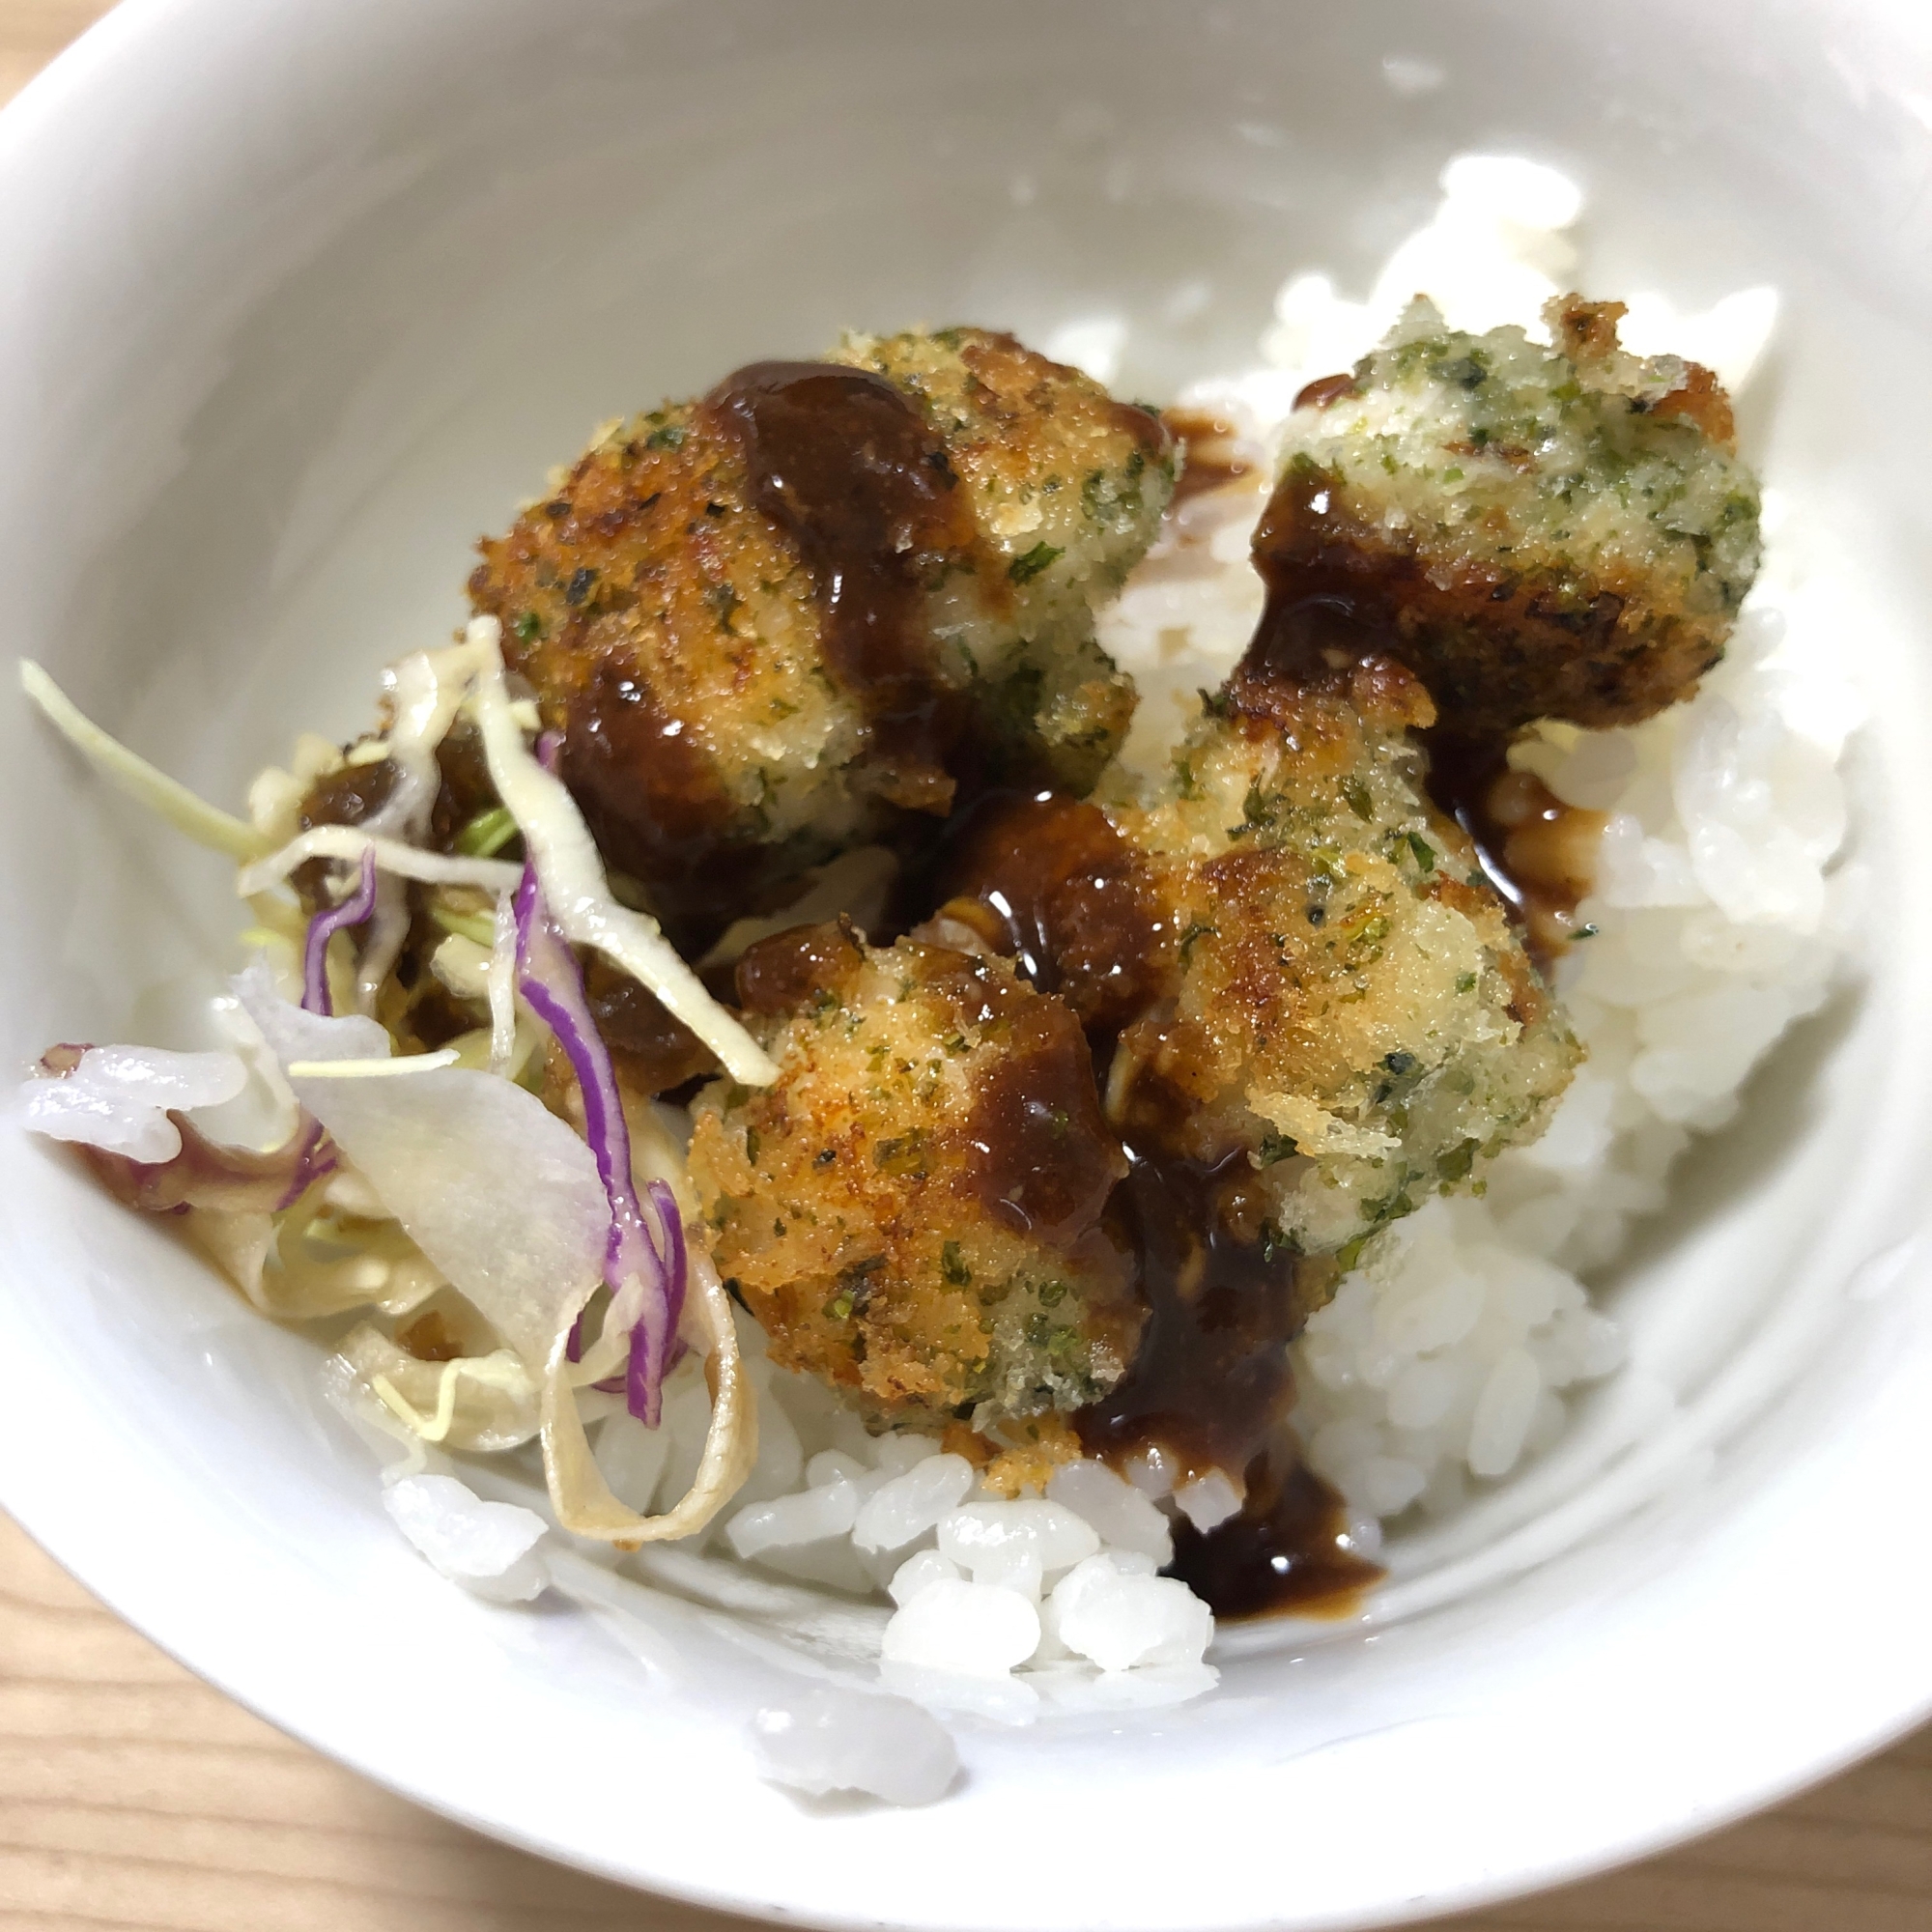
(550,980)
(355,910)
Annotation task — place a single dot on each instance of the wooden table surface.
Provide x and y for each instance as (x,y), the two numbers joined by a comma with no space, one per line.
(132,1795)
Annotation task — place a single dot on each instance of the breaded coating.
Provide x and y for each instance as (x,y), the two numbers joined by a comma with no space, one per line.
(772,622)
(1348,1001)
(1301,958)
(1544,532)
(1067,488)
(913,1210)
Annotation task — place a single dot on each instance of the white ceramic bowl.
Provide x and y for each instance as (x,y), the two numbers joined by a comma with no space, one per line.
(300,297)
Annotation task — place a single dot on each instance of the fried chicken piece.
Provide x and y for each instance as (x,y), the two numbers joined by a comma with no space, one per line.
(773,622)
(1542,532)
(913,1210)
(1300,957)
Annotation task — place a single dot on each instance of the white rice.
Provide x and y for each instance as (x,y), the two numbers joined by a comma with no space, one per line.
(1443,1364)
(1059,1588)
(1719,916)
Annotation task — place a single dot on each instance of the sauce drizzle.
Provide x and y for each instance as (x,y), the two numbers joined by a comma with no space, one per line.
(1214,454)
(1538,853)
(842,463)
(1049,881)
(1319,622)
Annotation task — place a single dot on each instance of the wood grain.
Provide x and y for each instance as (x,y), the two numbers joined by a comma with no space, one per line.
(131,1795)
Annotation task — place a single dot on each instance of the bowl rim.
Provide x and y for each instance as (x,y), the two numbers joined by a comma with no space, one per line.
(86,1564)
(92,1557)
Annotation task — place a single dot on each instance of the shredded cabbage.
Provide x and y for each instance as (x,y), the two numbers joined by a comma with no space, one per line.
(501,1195)
(505,1201)
(416,1177)
(572,873)
(353,910)
(405,861)
(168,798)
(369,1069)
(645,1276)
(425,691)
(302,1265)
(481,1403)
(583,1500)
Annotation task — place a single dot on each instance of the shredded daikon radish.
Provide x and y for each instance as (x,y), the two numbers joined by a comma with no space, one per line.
(572,875)
(501,1195)
(167,798)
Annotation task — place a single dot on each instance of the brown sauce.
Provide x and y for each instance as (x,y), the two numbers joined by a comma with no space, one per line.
(1047,880)
(1318,622)
(1046,1163)
(1211,1387)
(1326,390)
(1050,882)
(841,462)
(653,1050)
(349,794)
(1212,1381)
(1212,457)
(345,796)
(784,972)
(1538,853)
(467,786)
(654,802)
(1287,1550)
(430,1338)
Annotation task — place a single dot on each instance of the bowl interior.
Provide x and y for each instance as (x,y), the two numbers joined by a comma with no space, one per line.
(305,297)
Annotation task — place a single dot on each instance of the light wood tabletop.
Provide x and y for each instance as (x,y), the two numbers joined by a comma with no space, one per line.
(132,1795)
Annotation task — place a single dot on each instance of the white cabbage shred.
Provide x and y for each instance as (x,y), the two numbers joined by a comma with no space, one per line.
(167,798)
(572,874)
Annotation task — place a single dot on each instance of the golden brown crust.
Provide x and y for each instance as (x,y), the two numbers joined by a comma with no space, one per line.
(665,624)
(727,715)
(1560,532)
(1302,960)
(913,1210)
(1587,332)
(1498,646)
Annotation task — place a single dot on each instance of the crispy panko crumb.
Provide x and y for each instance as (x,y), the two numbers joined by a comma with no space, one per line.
(1546,532)
(678,631)
(1067,487)
(1347,998)
(1027,1453)
(912,1212)
(1301,959)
